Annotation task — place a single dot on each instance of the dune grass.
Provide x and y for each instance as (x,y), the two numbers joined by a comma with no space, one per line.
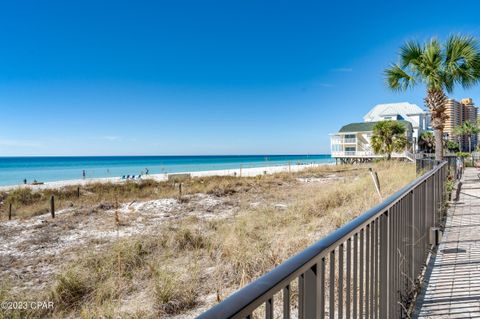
(27,202)
(194,262)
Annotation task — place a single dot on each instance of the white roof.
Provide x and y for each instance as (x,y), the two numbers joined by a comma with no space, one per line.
(403,108)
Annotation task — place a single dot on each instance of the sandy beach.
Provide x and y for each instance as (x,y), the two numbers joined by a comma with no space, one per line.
(251,171)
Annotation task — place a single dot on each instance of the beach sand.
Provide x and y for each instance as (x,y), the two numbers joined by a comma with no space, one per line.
(251,171)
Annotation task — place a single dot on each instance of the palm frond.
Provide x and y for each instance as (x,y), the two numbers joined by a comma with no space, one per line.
(462,60)
(411,54)
(431,67)
(398,79)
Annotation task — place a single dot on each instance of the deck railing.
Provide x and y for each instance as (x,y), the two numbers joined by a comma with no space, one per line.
(370,154)
(368,268)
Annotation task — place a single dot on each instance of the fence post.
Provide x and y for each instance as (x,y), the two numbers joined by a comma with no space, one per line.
(78,191)
(376,181)
(384,294)
(434,202)
(10,211)
(52,206)
(310,286)
(413,242)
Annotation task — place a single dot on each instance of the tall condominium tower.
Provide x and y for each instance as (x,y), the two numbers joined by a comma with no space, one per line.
(459,113)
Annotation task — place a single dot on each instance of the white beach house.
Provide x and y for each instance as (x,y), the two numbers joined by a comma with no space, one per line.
(405,111)
(352,142)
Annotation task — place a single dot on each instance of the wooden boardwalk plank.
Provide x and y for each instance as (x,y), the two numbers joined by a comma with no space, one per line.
(452,288)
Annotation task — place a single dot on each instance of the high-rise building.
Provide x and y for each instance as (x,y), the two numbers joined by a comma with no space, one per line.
(459,113)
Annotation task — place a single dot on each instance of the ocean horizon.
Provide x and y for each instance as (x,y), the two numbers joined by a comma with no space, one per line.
(14,170)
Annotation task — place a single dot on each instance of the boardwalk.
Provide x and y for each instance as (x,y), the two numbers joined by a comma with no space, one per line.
(453,284)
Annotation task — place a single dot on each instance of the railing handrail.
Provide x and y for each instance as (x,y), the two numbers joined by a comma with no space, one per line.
(245,300)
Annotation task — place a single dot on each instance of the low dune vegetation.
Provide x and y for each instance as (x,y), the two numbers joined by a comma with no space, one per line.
(219,235)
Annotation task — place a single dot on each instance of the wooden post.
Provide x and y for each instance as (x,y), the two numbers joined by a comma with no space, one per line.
(10,211)
(52,206)
(78,191)
(180,190)
(376,181)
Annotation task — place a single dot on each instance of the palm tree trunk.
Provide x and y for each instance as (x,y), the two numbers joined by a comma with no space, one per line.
(438,144)
(469,143)
(435,101)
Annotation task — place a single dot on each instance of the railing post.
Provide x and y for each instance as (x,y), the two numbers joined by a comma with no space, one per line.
(321,284)
(286,302)
(310,285)
(301,296)
(331,295)
(434,177)
(340,280)
(348,300)
(412,238)
(384,293)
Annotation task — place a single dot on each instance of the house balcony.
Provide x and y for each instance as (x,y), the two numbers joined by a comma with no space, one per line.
(353,154)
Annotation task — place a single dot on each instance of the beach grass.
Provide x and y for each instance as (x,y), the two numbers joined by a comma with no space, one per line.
(27,202)
(193,263)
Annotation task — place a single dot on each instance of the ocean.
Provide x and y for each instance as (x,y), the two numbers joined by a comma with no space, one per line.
(13,170)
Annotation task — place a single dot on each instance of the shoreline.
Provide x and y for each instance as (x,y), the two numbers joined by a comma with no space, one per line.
(240,172)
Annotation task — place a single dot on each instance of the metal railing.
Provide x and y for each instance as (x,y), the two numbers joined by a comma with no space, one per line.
(369,153)
(368,268)
(426,162)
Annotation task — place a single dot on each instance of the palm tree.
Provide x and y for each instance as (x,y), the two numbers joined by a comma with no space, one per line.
(467,129)
(427,141)
(452,146)
(388,137)
(439,66)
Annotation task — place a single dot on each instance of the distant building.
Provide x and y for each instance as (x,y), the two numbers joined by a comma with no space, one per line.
(459,113)
(412,113)
(352,143)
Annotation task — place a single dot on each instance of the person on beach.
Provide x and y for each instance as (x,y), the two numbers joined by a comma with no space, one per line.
(146,171)
(25,181)
(83,174)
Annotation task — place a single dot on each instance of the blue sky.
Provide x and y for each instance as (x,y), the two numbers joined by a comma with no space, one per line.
(203,77)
